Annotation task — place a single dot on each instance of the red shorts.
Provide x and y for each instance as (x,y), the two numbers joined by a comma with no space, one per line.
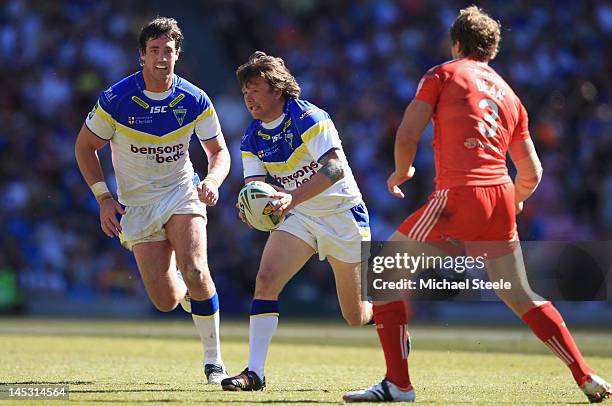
(465,213)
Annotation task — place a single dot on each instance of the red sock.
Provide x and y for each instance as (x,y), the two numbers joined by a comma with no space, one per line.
(392,328)
(548,325)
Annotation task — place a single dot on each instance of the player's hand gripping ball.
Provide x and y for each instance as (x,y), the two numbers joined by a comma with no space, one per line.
(255,202)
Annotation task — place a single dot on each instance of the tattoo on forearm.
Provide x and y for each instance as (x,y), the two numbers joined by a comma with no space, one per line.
(332,168)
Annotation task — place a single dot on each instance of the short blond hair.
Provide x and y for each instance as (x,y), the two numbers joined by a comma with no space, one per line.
(477,33)
(272,69)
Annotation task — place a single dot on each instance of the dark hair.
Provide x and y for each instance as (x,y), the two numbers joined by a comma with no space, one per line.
(477,33)
(272,69)
(158,27)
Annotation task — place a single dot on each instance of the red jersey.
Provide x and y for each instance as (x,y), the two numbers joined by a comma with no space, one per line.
(476,115)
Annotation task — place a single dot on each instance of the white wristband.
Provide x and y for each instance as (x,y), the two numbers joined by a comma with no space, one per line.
(99,188)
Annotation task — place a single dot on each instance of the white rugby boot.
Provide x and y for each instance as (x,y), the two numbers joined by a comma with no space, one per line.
(215,373)
(384,391)
(596,389)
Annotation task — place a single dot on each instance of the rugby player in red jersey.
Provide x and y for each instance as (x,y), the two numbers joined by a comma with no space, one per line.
(477,120)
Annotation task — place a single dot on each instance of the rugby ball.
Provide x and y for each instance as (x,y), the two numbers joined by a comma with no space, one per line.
(255,202)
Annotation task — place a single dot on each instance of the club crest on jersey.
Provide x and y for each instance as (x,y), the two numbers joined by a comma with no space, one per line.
(288,134)
(180,114)
(470,143)
(289,138)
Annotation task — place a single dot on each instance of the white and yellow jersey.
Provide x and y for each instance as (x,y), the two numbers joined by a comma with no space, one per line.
(290,152)
(149,138)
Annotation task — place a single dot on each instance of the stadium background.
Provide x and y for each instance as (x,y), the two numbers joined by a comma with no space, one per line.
(360,60)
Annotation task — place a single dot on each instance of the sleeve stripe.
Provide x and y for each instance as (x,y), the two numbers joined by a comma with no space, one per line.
(317,129)
(104,115)
(205,114)
(255,176)
(208,139)
(247,154)
(326,152)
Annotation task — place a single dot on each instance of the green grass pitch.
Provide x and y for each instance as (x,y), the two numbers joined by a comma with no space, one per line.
(159,362)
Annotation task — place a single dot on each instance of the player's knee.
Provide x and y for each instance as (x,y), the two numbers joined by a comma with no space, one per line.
(166,304)
(195,273)
(267,283)
(518,305)
(354,318)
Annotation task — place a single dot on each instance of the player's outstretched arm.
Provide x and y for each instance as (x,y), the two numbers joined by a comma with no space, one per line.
(85,150)
(528,170)
(218,167)
(417,115)
(331,172)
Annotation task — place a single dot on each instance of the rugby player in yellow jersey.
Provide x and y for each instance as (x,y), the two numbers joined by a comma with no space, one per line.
(149,118)
(297,144)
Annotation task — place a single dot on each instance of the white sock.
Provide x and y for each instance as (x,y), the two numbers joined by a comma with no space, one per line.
(208,328)
(261,330)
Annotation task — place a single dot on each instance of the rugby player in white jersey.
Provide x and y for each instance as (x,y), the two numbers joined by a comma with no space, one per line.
(148,118)
(296,143)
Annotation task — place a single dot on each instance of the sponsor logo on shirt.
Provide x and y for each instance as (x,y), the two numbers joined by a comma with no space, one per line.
(300,176)
(471,143)
(306,113)
(108,93)
(261,154)
(158,109)
(285,134)
(139,120)
(161,153)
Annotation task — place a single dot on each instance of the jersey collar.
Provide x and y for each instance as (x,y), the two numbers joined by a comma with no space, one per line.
(141,84)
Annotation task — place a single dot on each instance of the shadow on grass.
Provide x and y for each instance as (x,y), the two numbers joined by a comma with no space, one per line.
(203,401)
(183,390)
(321,402)
(213,401)
(48,383)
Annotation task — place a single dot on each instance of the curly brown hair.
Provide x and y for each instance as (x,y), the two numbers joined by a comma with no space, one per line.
(477,33)
(272,69)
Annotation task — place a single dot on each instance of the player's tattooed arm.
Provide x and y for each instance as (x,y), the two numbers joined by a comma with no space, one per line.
(332,168)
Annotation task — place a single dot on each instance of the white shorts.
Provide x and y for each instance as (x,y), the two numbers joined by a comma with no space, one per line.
(337,235)
(146,223)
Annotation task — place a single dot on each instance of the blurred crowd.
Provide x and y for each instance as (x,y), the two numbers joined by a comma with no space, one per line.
(359,60)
